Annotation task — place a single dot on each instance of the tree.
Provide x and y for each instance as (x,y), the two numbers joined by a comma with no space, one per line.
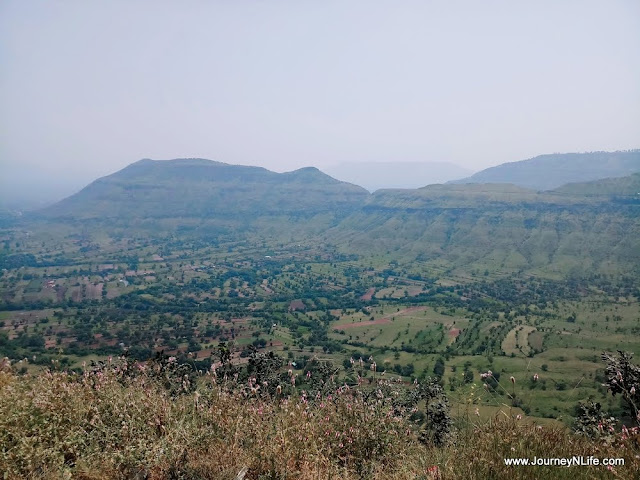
(438,368)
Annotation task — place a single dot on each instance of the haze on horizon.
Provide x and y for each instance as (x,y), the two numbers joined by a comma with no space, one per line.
(89,87)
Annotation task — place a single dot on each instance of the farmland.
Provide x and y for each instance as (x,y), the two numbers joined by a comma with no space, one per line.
(94,296)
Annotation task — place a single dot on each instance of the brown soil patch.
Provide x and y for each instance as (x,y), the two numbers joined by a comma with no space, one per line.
(60,292)
(94,292)
(296,305)
(369,295)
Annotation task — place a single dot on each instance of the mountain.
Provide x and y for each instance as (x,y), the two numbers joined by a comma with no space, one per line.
(608,187)
(376,175)
(500,228)
(547,172)
(190,191)
(460,229)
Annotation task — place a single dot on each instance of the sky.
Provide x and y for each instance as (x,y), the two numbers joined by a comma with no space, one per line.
(88,87)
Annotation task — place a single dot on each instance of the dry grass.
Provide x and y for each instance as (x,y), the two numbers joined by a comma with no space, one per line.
(110,424)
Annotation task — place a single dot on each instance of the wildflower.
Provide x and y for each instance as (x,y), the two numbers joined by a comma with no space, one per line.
(433,473)
(632,391)
(477,412)
(535,377)
(513,379)
(518,417)
(279,389)
(308,373)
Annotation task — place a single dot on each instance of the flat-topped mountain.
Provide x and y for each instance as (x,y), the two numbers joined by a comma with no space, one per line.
(198,188)
(547,172)
(607,187)
(580,228)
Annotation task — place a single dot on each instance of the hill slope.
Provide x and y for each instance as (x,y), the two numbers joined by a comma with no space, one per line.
(608,187)
(455,229)
(547,172)
(203,194)
(498,228)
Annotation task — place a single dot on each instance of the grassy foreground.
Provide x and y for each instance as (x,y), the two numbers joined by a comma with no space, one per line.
(115,423)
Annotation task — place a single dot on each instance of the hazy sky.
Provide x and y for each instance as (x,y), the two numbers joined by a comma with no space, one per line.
(87,87)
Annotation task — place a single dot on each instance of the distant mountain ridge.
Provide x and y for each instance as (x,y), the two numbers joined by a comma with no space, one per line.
(547,172)
(209,198)
(198,188)
(579,228)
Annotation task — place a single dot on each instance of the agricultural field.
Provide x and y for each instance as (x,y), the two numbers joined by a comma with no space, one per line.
(89,297)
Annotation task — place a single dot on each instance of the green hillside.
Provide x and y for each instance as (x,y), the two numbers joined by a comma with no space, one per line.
(457,229)
(611,187)
(196,188)
(498,228)
(210,198)
(547,172)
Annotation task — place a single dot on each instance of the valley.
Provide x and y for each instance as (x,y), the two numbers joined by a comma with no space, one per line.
(79,298)
(430,314)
